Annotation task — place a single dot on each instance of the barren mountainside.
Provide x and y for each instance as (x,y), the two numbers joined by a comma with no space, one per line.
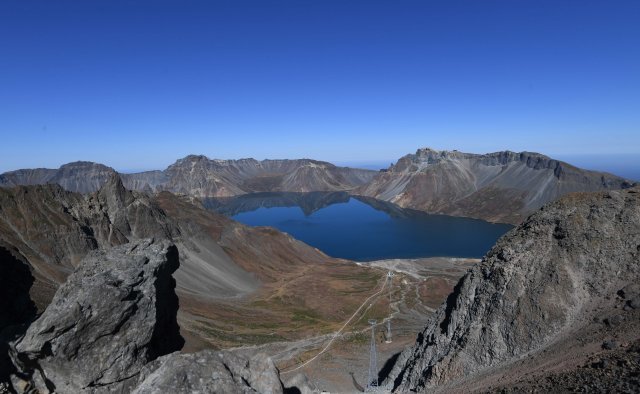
(554,296)
(499,187)
(203,177)
(228,272)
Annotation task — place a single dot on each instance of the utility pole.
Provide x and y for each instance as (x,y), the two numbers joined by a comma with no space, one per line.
(372,381)
(390,278)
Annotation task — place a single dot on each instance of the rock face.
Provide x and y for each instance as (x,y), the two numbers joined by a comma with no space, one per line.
(79,176)
(202,177)
(112,316)
(210,372)
(500,187)
(547,294)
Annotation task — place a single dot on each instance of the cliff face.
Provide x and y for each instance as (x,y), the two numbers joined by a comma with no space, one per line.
(202,177)
(545,297)
(500,187)
(80,176)
(112,316)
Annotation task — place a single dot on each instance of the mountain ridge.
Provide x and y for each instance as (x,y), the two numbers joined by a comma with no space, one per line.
(200,176)
(501,186)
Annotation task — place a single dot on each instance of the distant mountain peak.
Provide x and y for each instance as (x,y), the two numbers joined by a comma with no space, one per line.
(500,186)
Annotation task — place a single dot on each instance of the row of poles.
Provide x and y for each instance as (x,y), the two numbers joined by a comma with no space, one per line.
(372,378)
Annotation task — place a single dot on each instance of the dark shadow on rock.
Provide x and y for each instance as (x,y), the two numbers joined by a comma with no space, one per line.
(451,304)
(291,390)
(383,374)
(16,307)
(166,336)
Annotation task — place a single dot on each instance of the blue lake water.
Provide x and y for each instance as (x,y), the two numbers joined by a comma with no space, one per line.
(343,226)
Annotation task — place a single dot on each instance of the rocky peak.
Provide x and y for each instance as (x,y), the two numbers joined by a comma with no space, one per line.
(113,315)
(114,194)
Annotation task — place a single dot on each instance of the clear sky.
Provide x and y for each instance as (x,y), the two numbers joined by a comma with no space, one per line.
(138,84)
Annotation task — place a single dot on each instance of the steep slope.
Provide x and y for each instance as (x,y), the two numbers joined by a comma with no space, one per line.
(550,296)
(202,177)
(499,187)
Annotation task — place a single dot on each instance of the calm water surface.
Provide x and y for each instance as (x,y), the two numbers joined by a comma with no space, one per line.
(343,226)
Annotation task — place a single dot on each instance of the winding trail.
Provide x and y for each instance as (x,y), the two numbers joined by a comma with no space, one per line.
(337,333)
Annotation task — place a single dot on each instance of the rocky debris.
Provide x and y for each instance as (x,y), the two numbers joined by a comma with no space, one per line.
(631,296)
(613,372)
(210,372)
(540,284)
(500,187)
(112,316)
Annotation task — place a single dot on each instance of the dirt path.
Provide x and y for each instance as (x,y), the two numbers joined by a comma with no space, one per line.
(337,333)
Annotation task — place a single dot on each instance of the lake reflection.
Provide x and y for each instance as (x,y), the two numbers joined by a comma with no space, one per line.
(361,229)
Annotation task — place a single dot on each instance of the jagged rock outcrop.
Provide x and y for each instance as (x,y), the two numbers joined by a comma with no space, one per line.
(53,229)
(210,372)
(200,176)
(499,187)
(548,293)
(113,315)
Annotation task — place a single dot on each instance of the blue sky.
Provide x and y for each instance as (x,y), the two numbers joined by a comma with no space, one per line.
(138,84)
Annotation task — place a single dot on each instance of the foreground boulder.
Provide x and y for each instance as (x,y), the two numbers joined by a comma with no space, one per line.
(113,315)
(551,295)
(210,372)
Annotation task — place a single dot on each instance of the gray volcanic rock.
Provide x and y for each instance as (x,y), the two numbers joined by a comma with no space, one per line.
(115,313)
(82,176)
(30,176)
(545,287)
(500,187)
(79,176)
(210,372)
